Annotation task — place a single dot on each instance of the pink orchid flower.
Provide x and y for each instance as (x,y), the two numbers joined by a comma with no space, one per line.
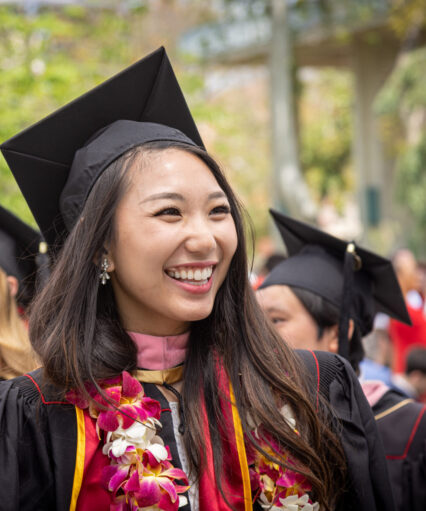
(123,399)
(155,485)
(140,473)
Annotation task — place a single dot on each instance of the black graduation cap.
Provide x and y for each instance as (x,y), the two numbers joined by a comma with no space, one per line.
(57,160)
(20,247)
(357,281)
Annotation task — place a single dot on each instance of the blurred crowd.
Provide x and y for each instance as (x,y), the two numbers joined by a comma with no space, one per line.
(395,353)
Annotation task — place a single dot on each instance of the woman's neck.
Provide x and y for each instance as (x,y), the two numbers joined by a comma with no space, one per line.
(158,353)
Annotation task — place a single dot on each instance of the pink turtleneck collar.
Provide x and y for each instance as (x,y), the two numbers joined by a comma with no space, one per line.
(159,353)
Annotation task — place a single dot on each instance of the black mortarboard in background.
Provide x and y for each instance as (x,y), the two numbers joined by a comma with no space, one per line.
(20,256)
(357,281)
(57,160)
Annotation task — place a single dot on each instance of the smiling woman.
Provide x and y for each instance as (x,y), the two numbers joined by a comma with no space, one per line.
(192,239)
(163,386)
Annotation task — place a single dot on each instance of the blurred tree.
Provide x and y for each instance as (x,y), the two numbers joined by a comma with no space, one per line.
(325,122)
(49,58)
(54,55)
(402,106)
(325,114)
(407,18)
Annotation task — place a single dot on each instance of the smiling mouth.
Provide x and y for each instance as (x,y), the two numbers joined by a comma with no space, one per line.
(193,276)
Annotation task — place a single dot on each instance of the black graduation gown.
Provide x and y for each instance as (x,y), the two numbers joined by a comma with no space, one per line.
(38,441)
(402,427)
(368,486)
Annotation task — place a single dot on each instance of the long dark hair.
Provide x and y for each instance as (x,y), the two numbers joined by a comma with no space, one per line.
(75,329)
(325,315)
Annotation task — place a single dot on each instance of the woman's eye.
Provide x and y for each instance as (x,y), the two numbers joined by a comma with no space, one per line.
(277,320)
(221,210)
(168,212)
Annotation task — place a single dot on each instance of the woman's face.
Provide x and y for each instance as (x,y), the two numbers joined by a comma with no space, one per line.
(292,321)
(173,244)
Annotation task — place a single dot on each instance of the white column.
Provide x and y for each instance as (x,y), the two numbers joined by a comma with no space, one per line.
(372,65)
(289,188)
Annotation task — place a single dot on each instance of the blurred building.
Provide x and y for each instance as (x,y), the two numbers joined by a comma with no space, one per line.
(352,35)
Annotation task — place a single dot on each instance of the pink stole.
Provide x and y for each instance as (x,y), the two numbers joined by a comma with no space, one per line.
(157,353)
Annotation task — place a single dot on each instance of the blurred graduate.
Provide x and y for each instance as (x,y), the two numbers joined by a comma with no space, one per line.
(19,259)
(325,297)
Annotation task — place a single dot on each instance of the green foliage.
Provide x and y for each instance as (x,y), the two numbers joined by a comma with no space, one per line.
(406,17)
(326,133)
(50,58)
(402,107)
(411,191)
(236,132)
(405,91)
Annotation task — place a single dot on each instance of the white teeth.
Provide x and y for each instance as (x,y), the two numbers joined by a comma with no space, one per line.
(197,274)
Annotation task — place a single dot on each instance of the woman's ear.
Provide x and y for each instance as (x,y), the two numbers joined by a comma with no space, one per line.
(13,285)
(331,338)
(333,341)
(351,329)
(105,260)
(110,261)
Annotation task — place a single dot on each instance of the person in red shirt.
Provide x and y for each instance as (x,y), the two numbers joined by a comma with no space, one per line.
(403,336)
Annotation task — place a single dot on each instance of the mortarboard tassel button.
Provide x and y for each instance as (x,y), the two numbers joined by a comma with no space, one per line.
(351,248)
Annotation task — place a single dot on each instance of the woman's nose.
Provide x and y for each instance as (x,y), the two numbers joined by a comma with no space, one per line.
(200,240)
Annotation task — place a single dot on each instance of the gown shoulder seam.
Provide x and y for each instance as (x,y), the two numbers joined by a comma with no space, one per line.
(43,399)
(31,388)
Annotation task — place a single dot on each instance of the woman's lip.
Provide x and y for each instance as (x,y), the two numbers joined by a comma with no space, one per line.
(199,264)
(193,288)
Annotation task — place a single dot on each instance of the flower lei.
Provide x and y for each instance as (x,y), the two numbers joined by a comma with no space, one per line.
(278,488)
(140,475)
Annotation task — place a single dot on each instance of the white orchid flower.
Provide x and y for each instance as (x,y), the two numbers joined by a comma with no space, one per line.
(291,503)
(159,451)
(137,435)
(296,503)
(118,447)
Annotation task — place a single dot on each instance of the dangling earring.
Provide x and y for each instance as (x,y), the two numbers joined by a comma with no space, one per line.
(104,275)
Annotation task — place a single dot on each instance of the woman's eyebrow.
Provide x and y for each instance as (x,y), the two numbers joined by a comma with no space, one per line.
(177,196)
(273,309)
(217,195)
(164,195)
